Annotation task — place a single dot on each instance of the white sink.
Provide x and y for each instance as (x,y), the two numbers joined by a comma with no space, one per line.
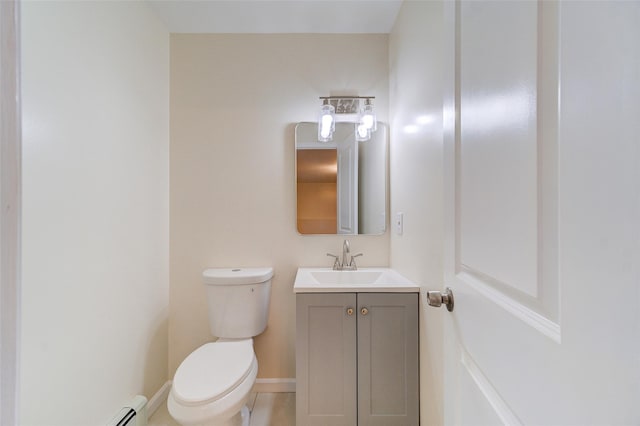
(326,280)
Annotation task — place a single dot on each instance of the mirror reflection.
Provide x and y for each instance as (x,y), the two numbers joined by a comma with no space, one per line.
(341,185)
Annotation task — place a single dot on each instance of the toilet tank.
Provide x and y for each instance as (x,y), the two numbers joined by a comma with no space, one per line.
(238,300)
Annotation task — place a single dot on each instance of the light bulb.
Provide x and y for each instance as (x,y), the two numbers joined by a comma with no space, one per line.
(362,133)
(325,126)
(367,121)
(326,122)
(368,116)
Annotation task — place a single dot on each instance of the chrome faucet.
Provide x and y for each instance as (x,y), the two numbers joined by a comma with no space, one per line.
(345,252)
(345,265)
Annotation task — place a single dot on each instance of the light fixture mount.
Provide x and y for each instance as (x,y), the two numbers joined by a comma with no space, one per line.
(346,104)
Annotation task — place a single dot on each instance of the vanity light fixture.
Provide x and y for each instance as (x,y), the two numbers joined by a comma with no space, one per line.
(346,108)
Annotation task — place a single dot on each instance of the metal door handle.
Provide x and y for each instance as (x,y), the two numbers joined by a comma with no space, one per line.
(437,299)
(364,311)
(349,311)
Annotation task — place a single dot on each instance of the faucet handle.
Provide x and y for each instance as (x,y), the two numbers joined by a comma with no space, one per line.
(336,263)
(352,263)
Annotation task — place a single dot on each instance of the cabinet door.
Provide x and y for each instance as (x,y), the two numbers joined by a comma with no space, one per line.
(388,392)
(326,368)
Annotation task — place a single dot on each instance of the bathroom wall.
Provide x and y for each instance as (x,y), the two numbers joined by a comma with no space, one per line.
(234,102)
(95,277)
(416,94)
(371,201)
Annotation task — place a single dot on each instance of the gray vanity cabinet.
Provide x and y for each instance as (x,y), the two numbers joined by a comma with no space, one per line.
(357,359)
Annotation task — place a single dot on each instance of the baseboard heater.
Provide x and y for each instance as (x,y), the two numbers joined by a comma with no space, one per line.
(134,414)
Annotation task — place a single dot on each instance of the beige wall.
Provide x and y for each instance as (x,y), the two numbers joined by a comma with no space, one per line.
(416,94)
(95,284)
(234,102)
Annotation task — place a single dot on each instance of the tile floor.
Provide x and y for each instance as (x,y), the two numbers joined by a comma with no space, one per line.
(267,409)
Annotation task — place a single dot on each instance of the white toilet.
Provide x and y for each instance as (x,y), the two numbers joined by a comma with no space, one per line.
(212,384)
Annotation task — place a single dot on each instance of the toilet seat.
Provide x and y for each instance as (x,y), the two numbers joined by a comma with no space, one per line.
(213,371)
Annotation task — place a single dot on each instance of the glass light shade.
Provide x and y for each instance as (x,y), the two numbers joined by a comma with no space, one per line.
(368,116)
(326,123)
(363,133)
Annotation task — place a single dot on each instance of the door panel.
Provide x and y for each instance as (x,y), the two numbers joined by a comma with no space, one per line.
(505,156)
(498,144)
(534,203)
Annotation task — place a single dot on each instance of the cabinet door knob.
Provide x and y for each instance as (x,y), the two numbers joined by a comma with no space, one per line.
(364,311)
(349,311)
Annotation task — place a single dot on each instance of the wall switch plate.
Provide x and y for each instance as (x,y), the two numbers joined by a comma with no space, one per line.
(399,223)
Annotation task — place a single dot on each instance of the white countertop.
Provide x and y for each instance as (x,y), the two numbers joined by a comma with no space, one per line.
(364,280)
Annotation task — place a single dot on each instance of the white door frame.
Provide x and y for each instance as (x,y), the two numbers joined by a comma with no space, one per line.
(347,185)
(10,221)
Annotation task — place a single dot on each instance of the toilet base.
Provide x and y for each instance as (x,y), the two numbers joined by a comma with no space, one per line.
(242,418)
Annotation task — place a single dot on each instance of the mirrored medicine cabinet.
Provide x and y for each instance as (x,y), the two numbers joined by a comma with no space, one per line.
(341,185)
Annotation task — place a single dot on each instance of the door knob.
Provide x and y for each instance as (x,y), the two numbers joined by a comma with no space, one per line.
(364,311)
(437,299)
(349,311)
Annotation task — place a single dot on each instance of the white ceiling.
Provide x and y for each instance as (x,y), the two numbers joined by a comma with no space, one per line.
(277,16)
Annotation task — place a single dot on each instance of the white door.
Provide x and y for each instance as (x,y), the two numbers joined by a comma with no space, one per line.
(543,209)
(10,200)
(347,183)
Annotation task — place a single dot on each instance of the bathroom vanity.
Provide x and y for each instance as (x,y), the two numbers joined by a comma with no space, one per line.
(356,348)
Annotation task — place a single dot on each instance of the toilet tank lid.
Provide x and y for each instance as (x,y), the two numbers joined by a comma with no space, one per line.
(236,276)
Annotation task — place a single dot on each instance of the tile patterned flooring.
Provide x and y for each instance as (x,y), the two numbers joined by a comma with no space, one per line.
(267,409)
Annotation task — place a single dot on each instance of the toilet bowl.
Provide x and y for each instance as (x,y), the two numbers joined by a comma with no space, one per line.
(211,386)
(213,383)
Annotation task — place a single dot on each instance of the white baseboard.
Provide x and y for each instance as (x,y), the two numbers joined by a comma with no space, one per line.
(158,398)
(275,385)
